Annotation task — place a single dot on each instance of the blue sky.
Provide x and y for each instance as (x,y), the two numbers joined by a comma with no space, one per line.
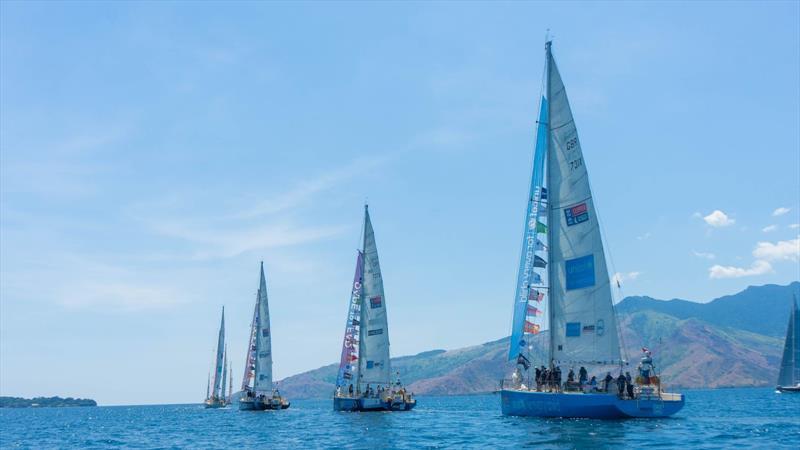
(152,154)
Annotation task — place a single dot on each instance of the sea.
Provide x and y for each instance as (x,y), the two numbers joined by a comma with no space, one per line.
(722,418)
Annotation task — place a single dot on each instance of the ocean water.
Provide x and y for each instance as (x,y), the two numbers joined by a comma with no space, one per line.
(741,418)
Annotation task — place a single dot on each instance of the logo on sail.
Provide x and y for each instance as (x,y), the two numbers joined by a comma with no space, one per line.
(375,332)
(375,302)
(576,214)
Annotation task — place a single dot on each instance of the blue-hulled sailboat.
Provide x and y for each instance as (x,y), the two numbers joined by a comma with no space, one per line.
(789,376)
(364,382)
(258,391)
(563,308)
(215,397)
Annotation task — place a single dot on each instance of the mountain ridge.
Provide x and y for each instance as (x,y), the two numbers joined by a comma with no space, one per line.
(693,349)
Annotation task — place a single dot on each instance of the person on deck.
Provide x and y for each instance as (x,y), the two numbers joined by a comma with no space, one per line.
(593,383)
(629,384)
(582,376)
(350,389)
(608,379)
(646,366)
(571,376)
(621,385)
(538,379)
(557,379)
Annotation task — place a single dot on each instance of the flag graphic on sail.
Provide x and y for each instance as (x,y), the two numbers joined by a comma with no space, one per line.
(374,366)
(580,293)
(263,351)
(529,282)
(348,364)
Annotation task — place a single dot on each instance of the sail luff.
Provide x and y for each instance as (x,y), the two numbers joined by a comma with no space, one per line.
(250,360)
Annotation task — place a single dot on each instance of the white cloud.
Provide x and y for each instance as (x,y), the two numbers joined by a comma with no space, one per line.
(794,226)
(704,255)
(644,236)
(769,228)
(718,219)
(781,250)
(780,211)
(620,277)
(759,267)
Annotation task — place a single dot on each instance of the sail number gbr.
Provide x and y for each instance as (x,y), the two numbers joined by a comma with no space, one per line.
(572,147)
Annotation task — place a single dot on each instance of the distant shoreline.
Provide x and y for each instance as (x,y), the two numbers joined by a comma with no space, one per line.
(45,402)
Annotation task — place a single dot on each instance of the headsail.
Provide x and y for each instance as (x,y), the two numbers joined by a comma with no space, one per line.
(348,364)
(224,374)
(529,308)
(374,365)
(263,360)
(790,371)
(250,358)
(218,369)
(583,327)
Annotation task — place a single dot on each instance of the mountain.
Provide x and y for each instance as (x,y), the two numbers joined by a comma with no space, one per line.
(760,309)
(42,402)
(732,341)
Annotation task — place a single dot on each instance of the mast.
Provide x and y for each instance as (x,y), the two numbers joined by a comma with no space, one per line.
(550,222)
(361,338)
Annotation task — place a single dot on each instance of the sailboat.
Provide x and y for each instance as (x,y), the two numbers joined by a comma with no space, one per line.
(215,397)
(563,308)
(789,376)
(364,381)
(259,392)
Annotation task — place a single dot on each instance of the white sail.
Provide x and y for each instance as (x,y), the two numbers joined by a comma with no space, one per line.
(789,373)
(583,324)
(224,375)
(218,369)
(374,366)
(263,363)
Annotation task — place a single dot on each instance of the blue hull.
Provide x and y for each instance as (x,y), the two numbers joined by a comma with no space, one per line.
(371,404)
(590,406)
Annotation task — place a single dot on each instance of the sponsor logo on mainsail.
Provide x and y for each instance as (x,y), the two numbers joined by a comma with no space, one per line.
(576,214)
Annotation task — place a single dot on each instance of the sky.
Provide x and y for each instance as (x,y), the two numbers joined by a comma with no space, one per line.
(153,153)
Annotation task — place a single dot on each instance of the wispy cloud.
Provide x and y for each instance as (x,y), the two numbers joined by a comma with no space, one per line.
(644,236)
(718,219)
(119,296)
(621,277)
(759,267)
(794,226)
(780,211)
(781,250)
(769,228)
(704,255)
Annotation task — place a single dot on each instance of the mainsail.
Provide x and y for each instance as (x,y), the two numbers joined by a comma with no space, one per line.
(218,369)
(263,341)
(579,311)
(790,372)
(374,365)
(348,364)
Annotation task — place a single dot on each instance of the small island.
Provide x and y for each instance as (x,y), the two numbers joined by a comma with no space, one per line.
(44,402)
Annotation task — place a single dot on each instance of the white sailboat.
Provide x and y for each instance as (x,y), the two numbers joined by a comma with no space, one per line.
(563,305)
(216,397)
(789,375)
(259,392)
(364,382)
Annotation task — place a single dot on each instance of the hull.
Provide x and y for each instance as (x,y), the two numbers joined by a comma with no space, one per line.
(788,389)
(351,404)
(268,404)
(214,404)
(590,406)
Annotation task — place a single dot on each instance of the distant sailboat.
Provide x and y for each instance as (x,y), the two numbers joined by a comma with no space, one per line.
(364,381)
(789,376)
(563,297)
(261,394)
(216,397)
